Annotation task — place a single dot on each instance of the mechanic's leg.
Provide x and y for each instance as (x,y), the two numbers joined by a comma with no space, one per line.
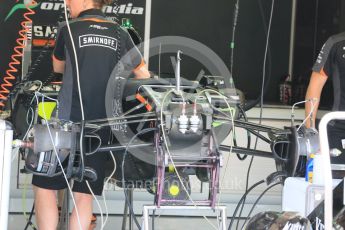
(46,210)
(84,207)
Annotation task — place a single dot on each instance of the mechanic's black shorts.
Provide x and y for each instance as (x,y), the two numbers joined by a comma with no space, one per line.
(97,161)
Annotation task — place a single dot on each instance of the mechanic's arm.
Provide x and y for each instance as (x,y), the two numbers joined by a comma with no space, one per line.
(58,65)
(317,81)
(58,56)
(141,72)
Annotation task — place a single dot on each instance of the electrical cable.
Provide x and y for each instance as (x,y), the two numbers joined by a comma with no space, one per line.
(58,159)
(97,202)
(98,146)
(76,63)
(247,184)
(93,127)
(310,114)
(25,181)
(83,167)
(266,53)
(243,113)
(80,95)
(32,114)
(220,111)
(165,141)
(223,179)
(232,45)
(45,96)
(242,198)
(18,53)
(106,182)
(159,59)
(130,205)
(263,86)
(118,56)
(232,131)
(227,163)
(79,92)
(42,54)
(90,189)
(37,62)
(81,106)
(15,151)
(231,117)
(251,104)
(29,223)
(28,219)
(257,201)
(170,156)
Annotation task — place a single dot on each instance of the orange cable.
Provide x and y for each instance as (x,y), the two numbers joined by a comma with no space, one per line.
(18,53)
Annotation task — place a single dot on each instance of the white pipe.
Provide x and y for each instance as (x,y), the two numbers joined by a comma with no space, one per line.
(324,147)
(5,172)
(147,31)
(178,71)
(147,208)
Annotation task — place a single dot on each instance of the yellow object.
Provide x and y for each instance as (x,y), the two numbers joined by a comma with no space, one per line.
(310,177)
(174,190)
(45,109)
(171,168)
(153,188)
(310,168)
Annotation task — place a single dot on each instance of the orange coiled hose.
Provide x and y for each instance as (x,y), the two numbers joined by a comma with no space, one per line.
(16,56)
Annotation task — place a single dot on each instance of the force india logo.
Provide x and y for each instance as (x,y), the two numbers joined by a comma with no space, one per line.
(128,8)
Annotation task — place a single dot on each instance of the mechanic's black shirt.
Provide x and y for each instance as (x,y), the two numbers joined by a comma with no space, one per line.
(99,45)
(331,63)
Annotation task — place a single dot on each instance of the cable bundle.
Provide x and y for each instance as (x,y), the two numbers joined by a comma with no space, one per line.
(15,57)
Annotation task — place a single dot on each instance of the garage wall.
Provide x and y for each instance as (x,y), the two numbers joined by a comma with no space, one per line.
(211,23)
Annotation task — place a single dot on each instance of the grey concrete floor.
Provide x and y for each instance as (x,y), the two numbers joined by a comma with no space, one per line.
(18,222)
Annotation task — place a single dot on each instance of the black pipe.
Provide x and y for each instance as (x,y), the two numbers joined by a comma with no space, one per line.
(250,125)
(118,118)
(126,122)
(122,147)
(246,151)
(258,127)
(262,137)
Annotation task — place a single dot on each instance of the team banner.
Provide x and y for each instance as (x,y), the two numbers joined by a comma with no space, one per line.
(45,16)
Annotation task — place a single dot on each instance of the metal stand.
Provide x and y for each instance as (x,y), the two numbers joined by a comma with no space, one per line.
(127,213)
(64,212)
(147,208)
(327,172)
(6,135)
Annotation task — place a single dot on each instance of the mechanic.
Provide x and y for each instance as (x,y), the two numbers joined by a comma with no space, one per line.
(100,44)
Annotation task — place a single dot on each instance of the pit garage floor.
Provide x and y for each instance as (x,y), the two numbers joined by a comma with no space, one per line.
(17,222)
